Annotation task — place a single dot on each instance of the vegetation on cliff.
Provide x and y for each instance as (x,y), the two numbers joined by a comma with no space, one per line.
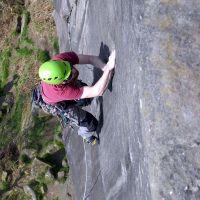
(31,151)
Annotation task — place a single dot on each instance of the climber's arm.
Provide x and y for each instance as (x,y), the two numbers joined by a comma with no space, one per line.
(93,60)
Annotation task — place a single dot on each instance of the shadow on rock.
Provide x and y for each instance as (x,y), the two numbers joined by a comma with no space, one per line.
(6,88)
(55,160)
(104,54)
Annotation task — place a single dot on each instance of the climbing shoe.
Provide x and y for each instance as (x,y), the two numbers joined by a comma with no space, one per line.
(91,140)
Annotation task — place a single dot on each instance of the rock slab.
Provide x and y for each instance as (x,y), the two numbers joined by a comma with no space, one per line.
(149,138)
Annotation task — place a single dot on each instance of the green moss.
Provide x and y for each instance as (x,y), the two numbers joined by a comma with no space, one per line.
(1,88)
(28,41)
(36,133)
(24,51)
(5,132)
(25,159)
(42,55)
(17,114)
(59,144)
(5,62)
(58,129)
(14,34)
(36,186)
(56,46)
(42,181)
(4,185)
(5,66)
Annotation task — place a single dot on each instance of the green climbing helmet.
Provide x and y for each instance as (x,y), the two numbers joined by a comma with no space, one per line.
(55,71)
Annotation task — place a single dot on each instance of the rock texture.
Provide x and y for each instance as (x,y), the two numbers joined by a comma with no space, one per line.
(149,117)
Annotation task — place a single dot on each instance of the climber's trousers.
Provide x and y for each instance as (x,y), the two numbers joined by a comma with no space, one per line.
(76,116)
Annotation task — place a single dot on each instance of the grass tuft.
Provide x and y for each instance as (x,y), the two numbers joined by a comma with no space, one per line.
(26,16)
(5,58)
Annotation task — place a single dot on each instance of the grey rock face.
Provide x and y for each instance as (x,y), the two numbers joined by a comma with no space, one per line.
(149,134)
(38,167)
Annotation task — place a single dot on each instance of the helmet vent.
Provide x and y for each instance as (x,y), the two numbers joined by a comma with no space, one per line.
(65,72)
(49,79)
(55,78)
